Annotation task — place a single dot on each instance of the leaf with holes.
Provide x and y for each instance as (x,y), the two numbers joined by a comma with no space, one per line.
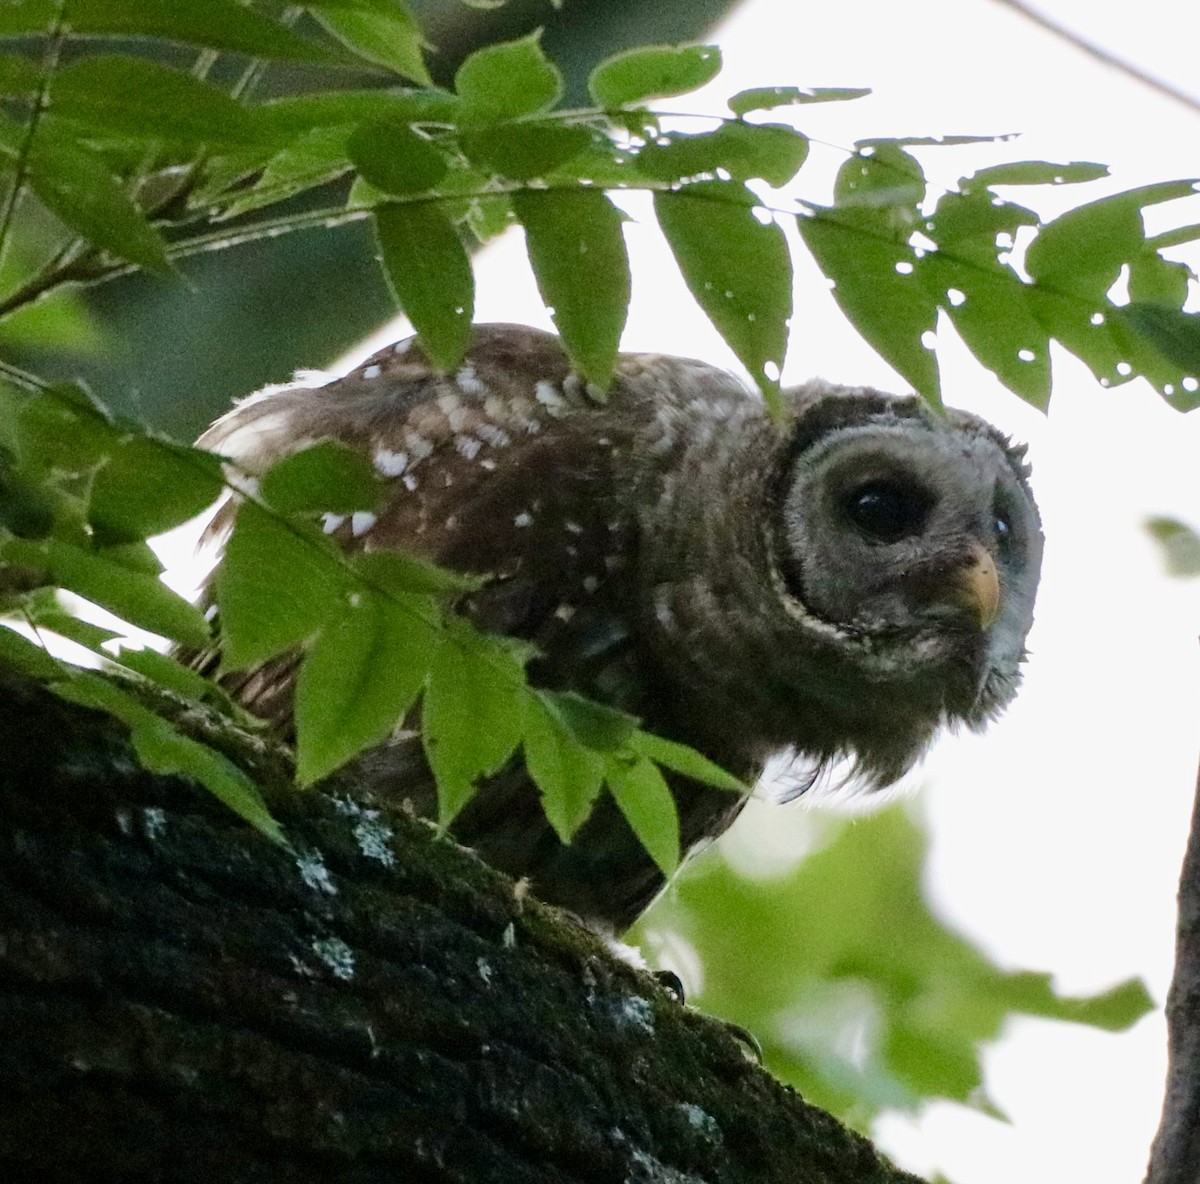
(767,98)
(875,285)
(985,298)
(737,267)
(771,151)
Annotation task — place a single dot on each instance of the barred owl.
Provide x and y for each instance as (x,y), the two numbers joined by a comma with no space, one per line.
(843,587)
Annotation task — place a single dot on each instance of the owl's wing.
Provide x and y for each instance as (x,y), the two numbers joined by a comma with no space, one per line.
(497,470)
(509,469)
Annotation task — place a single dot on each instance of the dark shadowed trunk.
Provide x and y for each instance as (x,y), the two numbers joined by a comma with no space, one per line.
(180,999)
(1175,1158)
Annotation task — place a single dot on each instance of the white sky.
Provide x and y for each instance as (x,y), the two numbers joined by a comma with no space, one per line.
(1057,838)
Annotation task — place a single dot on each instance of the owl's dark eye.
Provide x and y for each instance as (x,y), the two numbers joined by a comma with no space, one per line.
(887,510)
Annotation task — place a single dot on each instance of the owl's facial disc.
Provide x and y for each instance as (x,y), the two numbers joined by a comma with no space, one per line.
(920,543)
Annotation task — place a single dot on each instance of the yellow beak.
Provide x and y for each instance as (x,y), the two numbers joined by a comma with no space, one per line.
(977,586)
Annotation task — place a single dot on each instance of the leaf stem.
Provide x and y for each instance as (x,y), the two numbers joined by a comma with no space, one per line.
(54,44)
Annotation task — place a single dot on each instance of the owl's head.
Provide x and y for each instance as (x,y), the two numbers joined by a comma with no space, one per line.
(913,539)
(903,548)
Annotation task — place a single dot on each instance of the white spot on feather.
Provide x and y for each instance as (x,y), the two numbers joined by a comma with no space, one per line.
(419,446)
(497,437)
(524,518)
(410,482)
(370,372)
(389,463)
(467,447)
(549,396)
(469,382)
(360,522)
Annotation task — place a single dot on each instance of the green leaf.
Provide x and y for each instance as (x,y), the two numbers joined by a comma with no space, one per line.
(649,807)
(215,24)
(771,151)
(876,286)
(386,34)
(26,505)
(164,750)
(127,96)
(986,299)
(74,184)
(24,656)
(767,98)
(1035,172)
(594,724)
(328,475)
(43,609)
(429,271)
(168,672)
(847,943)
(471,715)
(358,681)
(578,255)
(1162,345)
(394,159)
(61,431)
(136,596)
(737,267)
(883,174)
(507,81)
(685,760)
(1155,280)
(656,71)
(394,572)
(313,158)
(149,485)
(1179,545)
(567,773)
(278,584)
(523,151)
(293,115)
(19,75)
(1082,251)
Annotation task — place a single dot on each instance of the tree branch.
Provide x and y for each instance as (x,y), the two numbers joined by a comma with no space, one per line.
(1103,55)
(180,998)
(1175,1156)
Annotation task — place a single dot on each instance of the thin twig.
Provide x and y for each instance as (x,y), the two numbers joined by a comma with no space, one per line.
(22,378)
(1190,101)
(41,101)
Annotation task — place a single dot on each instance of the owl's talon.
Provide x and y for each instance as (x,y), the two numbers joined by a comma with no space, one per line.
(672,984)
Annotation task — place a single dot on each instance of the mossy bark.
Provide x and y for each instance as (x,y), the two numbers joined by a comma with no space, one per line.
(181,999)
